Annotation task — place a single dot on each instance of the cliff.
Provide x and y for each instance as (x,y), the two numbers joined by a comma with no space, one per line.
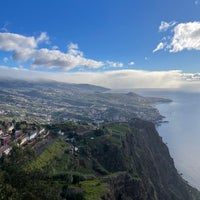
(138,163)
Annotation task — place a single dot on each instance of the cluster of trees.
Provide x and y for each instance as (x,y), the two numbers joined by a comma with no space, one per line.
(66,127)
(17,183)
(4,125)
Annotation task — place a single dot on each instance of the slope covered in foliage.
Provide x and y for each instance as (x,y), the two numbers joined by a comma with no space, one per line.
(116,161)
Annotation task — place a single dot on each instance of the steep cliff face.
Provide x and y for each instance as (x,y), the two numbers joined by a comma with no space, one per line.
(139,164)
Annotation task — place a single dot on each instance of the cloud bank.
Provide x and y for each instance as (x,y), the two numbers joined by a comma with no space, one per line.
(185,36)
(115,79)
(25,48)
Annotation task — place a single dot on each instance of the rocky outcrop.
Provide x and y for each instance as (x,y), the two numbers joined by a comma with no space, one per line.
(124,186)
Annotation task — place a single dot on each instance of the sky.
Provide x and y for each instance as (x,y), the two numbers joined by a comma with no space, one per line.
(112,43)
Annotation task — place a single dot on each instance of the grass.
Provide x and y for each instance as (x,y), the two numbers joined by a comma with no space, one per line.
(85,166)
(62,165)
(116,132)
(48,156)
(119,128)
(94,189)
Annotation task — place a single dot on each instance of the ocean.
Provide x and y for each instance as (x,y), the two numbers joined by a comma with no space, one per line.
(182,132)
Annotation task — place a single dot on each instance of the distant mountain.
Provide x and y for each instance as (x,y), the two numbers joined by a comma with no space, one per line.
(15,83)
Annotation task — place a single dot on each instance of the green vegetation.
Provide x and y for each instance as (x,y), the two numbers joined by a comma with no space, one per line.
(94,189)
(118,128)
(117,131)
(116,161)
(18,184)
(50,155)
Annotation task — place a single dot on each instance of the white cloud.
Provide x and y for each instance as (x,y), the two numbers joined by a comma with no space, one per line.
(23,54)
(131,63)
(55,47)
(72,46)
(160,46)
(56,59)
(197,2)
(43,38)
(15,42)
(186,36)
(114,64)
(74,50)
(26,49)
(22,47)
(164,26)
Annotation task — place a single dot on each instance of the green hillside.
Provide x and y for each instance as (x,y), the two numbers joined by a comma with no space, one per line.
(117,161)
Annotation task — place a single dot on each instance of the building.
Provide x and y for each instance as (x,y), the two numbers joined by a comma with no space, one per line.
(1,132)
(18,134)
(5,139)
(10,128)
(32,136)
(42,131)
(7,151)
(23,141)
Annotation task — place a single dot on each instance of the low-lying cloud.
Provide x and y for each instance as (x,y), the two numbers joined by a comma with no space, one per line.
(115,79)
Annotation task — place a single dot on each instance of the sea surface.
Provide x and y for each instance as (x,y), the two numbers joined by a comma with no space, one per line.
(182,132)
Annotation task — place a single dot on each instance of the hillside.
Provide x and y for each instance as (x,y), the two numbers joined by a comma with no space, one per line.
(118,161)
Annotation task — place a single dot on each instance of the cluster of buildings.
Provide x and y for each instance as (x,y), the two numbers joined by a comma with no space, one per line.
(10,138)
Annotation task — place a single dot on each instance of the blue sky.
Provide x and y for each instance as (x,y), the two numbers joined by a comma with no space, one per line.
(101,37)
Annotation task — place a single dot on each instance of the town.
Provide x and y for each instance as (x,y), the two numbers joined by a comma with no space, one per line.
(48,102)
(18,134)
